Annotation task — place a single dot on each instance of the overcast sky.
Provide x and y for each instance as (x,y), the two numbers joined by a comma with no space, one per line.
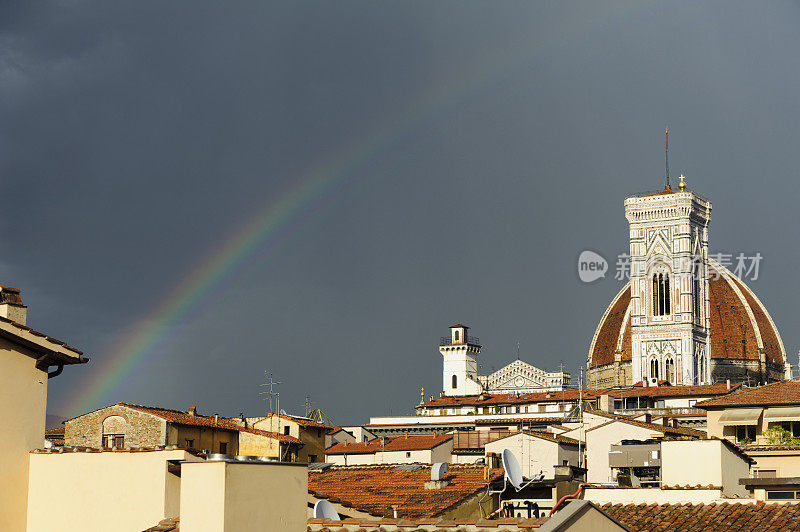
(470,150)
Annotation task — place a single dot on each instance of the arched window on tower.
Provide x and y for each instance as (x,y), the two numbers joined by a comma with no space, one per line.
(669,370)
(661,301)
(455,382)
(654,369)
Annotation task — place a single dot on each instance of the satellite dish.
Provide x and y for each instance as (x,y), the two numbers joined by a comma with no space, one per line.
(438,470)
(513,471)
(325,510)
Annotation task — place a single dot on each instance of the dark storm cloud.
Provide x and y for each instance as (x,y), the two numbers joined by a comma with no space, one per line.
(135,137)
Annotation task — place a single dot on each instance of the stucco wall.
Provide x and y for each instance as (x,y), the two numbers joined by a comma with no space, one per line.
(23,400)
(120,491)
(258,445)
(231,497)
(203,438)
(785,463)
(533,454)
(598,443)
(703,462)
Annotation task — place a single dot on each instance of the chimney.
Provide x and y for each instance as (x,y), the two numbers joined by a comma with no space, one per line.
(11,306)
(192,410)
(728,383)
(216,419)
(244,419)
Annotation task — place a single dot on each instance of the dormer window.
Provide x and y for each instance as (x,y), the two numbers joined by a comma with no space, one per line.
(662,305)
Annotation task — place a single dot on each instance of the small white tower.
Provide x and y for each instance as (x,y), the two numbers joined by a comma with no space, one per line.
(460,362)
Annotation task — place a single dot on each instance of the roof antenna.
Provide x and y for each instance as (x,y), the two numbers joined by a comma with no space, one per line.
(666,156)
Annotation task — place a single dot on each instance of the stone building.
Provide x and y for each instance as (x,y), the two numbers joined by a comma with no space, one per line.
(683,317)
(125,425)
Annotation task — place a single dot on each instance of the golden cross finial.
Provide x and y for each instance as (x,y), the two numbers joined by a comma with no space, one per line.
(682,185)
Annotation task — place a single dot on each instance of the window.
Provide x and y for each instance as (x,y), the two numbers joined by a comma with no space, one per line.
(113,440)
(408,454)
(458,337)
(617,404)
(696,294)
(660,404)
(745,433)
(286,430)
(661,302)
(781,495)
(312,458)
(654,369)
(223,447)
(190,444)
(692,402)
(669,369)
(455,381)
(791,426)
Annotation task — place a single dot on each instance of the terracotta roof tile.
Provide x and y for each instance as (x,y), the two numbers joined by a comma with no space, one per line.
(374,489)
(398,443)
(706,517)
(776,393)
(733,336)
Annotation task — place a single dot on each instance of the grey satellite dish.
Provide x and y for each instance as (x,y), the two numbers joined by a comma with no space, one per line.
(513,471)
(325,510)
(438,470)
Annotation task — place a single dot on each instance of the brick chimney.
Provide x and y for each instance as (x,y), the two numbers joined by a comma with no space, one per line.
(11,306)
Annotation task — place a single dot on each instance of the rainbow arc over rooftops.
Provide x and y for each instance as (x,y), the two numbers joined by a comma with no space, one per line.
(312,190)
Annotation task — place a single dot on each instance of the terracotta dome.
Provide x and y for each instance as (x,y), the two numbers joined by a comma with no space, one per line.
(740,325)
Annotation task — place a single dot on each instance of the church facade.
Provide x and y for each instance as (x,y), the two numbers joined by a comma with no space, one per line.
(460,370)
(683,317)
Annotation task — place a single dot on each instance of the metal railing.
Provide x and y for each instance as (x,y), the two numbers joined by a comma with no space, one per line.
(446,340)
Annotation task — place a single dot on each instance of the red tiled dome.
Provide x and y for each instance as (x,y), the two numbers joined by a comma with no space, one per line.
(740,324)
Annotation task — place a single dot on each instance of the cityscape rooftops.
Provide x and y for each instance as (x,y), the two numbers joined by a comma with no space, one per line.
(776,393)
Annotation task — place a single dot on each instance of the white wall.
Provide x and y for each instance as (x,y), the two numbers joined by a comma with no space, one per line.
(653,496)
(535,454)
(598,443)
(120,491)
(704,462)
(232,497)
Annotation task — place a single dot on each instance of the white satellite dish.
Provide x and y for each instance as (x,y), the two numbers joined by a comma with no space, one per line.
(325,510)
(438,470)
(513,471)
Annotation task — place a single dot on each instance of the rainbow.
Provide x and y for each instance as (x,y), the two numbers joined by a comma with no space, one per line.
(314,188)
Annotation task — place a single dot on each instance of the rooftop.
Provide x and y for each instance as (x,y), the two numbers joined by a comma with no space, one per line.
(706,517)
(398,443)
(375,489)
(776,393)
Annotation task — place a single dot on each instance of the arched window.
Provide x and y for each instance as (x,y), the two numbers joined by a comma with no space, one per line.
(669,370)
(661,302)
(654,369)
(455,381)
(114,428)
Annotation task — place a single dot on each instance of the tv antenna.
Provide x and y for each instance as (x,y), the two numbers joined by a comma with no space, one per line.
(270,392)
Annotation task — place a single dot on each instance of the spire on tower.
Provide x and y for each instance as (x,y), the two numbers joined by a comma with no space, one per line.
(666,157)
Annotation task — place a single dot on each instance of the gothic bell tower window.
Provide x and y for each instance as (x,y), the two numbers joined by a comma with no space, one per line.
(662,305)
